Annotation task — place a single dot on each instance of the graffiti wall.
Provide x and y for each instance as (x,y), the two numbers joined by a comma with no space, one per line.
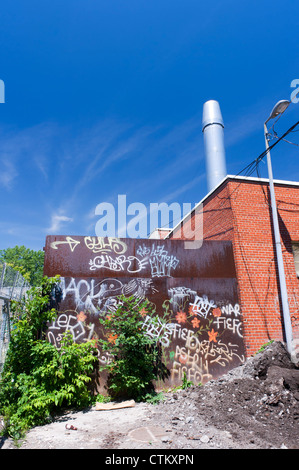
(193,292)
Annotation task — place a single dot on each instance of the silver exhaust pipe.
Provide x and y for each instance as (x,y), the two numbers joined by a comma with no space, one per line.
(212,128)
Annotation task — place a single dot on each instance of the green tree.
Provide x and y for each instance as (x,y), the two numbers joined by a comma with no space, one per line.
(29,262)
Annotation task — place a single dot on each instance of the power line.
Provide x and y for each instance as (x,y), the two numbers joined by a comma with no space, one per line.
(263,154)
(288,141)
(251,167)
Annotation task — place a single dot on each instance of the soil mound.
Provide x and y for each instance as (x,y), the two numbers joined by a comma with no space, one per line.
(257,403)
(254,406)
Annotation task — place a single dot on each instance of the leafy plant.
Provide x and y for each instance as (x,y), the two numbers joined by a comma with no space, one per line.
(30,263)
(136,357)
(186,383)
(154,398)
(37,379)
(103,398)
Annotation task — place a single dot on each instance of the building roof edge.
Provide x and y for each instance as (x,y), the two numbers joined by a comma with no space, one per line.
(227,178)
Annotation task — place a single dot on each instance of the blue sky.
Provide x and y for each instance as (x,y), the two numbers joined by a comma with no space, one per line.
(105,98)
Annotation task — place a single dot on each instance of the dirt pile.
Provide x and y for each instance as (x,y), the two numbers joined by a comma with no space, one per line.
(254,406)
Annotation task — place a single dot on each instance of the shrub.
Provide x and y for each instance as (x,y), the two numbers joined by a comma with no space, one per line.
(37,379)
(135,357)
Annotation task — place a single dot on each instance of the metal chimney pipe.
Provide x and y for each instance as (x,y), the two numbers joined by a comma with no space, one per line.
(212,128)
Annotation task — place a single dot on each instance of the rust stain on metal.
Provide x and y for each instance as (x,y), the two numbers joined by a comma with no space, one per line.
(194,292)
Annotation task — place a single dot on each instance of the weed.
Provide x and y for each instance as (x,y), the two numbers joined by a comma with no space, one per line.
(263,347)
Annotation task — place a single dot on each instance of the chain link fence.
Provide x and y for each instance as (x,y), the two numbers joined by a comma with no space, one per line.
(13,286)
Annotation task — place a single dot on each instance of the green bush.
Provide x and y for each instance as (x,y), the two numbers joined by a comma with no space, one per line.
(37,379)
(135,357)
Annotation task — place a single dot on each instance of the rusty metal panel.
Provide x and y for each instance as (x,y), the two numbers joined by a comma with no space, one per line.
(194,292)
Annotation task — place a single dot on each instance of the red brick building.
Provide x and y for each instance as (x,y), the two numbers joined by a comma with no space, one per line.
(239,209)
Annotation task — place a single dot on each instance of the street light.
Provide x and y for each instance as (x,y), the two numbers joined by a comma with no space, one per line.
(278,109)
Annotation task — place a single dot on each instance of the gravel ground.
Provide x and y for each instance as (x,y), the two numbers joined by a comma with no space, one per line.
(254,406)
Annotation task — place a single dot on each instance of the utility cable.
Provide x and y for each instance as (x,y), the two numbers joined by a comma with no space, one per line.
(289,142)
(253,166)
(263,154)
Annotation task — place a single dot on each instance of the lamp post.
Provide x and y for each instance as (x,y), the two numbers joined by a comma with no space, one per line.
(279,108)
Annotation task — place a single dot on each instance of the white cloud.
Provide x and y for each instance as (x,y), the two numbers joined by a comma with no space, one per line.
(57,221)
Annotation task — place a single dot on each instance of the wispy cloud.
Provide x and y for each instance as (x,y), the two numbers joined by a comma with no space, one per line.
(184,188)
(8,173)
(117,146)
(27,150)
(68,170)
(243,127)
(248,121)
(57,222)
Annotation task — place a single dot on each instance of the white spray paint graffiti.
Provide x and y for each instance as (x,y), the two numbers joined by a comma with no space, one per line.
(68,322)
(95,244)
(180,294)
(194,366)
(202,306)
(186,333)
(197,356)
(104,244)
(130,264)
(143,250)
(231,309)
(160,262)
(156,328)
(232,324)
(102,296)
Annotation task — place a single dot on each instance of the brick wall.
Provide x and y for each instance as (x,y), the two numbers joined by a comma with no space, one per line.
(239,210)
